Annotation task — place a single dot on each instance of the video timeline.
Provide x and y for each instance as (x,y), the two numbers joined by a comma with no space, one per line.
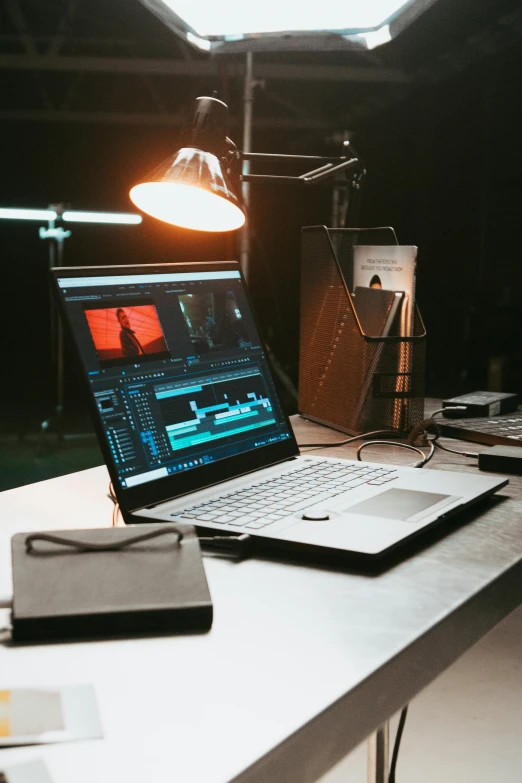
(214,409)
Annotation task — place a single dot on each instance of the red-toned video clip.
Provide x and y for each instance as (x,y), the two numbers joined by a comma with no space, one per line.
(126,334)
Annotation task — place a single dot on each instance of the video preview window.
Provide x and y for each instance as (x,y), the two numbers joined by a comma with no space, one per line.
(126,334)
(214,321)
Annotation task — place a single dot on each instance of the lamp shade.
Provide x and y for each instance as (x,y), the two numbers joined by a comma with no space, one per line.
(191,189)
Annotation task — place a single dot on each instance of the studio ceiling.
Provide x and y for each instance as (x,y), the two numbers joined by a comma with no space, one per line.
(94,61)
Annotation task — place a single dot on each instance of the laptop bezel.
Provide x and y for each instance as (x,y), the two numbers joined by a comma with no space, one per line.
(152,493)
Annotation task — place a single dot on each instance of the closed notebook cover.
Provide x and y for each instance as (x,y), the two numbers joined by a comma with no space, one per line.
(156,585)
(376,310)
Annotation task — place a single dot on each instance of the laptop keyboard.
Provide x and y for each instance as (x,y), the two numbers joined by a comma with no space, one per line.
(266,502)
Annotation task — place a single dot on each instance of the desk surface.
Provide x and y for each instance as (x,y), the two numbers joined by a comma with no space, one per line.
(301,663)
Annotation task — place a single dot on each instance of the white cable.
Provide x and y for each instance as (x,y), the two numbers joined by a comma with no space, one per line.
(6,602)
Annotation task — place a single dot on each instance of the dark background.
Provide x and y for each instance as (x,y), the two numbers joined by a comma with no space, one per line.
(442,150)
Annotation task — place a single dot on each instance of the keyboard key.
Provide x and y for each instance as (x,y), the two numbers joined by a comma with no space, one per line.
(246,518)
(307,503)
(355,483)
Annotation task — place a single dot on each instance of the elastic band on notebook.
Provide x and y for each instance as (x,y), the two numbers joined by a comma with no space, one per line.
(82,546)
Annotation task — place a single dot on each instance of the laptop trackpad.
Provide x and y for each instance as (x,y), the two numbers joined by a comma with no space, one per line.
(406,505)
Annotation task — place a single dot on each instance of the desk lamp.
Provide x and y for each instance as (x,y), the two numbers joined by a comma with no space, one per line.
(194,188)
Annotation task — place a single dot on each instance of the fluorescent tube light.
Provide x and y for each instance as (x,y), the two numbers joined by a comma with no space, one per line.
(69,216)
(72,216)
(28,214)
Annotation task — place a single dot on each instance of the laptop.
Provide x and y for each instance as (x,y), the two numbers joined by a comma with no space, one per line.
(193,431)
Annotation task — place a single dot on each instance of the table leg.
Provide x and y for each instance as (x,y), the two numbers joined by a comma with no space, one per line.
(379,755)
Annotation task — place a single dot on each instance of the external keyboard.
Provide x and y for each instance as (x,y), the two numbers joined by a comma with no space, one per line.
(266,502)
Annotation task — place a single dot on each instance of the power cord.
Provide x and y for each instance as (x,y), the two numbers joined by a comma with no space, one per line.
(345,441)
(116,511)
(429,427)
(236,546)
(394,433)
(420,464)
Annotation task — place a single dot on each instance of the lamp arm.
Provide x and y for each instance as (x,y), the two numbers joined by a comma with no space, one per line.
(317,176)
(329,169)
(281,156)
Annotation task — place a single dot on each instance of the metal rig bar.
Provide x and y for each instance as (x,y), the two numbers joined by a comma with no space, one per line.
(346,164)
(276,156)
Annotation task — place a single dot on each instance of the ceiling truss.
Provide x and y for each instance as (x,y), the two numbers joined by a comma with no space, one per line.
(76,60)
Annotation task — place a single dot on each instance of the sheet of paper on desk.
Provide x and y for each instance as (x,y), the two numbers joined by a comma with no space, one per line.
(31,716)
(31,772)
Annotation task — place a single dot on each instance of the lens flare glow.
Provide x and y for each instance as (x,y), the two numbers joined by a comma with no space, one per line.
(186,206)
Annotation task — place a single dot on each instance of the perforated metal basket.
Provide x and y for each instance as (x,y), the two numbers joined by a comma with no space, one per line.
(347,379)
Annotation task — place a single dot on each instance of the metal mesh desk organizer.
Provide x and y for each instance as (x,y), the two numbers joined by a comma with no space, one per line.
(350,380)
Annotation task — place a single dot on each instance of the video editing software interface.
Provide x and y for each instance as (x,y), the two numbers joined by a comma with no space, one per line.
(176,369)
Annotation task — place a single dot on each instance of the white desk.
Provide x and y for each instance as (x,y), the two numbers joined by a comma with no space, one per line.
(301,663)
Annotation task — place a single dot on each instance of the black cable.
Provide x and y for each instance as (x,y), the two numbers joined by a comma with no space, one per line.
(448,408)
(374,433)
(232,546)
(430,426)
(454,451)
(236,546)
(116,509)
(397,744)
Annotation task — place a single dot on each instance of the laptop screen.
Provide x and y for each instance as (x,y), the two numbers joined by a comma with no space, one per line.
(176,368)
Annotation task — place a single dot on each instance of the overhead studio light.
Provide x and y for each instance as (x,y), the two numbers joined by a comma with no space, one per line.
(235,17)
(201,21)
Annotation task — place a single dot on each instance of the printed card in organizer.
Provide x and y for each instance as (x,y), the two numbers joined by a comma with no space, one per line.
(391,267)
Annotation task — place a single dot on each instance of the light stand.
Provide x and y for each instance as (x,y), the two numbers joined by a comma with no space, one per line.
(55,235)
(248,116)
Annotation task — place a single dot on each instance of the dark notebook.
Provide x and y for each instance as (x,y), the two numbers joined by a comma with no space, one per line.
(108,582)
(377,310)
